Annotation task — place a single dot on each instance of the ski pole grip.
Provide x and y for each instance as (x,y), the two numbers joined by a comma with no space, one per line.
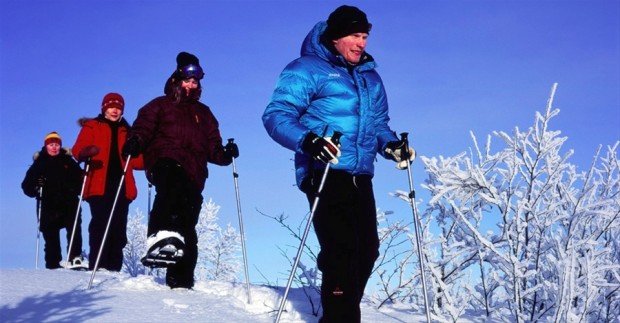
(231,140)
(403,138)
(336,137)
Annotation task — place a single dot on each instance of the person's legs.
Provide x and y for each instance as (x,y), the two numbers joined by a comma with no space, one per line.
(182,274)
(168,178)
(336,229)
(53,256)
(76,248)
(176,208)
(117,235)
(368,245)
(100,207)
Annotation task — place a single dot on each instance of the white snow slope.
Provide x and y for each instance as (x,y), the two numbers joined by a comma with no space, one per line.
(28,295)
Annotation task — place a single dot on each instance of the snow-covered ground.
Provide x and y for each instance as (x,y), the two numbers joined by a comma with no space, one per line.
(28,295)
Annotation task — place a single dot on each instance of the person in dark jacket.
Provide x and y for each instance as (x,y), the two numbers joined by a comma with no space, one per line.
(56,175)
(178,136)
(99,144)
(334,87)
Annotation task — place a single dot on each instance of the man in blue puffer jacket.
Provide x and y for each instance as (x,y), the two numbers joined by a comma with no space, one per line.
(333,87)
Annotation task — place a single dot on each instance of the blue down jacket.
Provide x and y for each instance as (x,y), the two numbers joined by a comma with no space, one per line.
(317,93)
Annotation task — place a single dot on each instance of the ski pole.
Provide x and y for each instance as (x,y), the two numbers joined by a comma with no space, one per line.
(39,207)
(416,224)
(148,216)
(245,256)
(335,140)
(107,228)
(77,212)
(148,208)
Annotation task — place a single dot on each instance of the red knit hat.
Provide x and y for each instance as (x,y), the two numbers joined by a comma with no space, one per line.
(52,137)
(112,100)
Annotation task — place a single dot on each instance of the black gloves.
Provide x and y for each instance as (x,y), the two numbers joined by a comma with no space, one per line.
(231,150)
(40,182)
(399,153)
(87,153)
(319,148)
(131,147)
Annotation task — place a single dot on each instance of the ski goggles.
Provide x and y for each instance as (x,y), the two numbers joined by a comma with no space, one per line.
(191,71)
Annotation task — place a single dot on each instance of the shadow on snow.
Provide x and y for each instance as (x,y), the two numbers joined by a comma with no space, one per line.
(72,306)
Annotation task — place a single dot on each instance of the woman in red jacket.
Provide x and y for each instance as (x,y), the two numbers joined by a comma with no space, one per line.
(99,143)
(178,136)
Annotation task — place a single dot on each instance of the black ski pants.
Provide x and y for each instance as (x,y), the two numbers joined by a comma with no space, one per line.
(345,223)
(176,208)
(51,235)
(112,253)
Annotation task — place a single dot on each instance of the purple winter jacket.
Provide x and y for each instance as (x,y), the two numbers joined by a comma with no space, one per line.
(187,132)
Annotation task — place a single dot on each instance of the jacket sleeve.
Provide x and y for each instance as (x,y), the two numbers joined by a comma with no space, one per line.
(215,150)
(145,124)
(290,100)
(85,138)
(383,131)
(137,162)
(29,184)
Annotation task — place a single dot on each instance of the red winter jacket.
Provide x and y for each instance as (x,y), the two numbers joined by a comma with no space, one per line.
(97,132)
(186,132)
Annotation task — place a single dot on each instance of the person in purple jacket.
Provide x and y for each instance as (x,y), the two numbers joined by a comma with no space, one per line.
(178,136)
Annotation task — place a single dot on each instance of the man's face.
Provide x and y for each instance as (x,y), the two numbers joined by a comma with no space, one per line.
(351,47)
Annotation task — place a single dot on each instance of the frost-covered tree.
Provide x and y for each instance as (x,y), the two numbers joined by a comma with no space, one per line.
(309,278)
(394,269)
(136,244)
(542,235)
(218,249)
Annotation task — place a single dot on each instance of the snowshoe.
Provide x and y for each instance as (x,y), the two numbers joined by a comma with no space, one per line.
(77,264)
(164,249)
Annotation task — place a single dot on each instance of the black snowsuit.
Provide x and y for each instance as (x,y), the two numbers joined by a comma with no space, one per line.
(61,188)
(178,140)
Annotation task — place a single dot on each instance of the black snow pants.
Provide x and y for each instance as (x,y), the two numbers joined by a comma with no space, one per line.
(51,234)
(112,253)
(345,223)
(176,208)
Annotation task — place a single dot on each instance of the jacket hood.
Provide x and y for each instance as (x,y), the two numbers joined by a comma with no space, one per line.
(312,46)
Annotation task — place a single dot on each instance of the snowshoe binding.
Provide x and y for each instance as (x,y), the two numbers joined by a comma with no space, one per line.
(164,249)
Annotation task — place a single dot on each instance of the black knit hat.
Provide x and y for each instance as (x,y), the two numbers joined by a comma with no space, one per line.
(185,58)
(346,20)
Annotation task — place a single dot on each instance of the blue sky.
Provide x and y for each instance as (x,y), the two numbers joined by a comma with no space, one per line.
(448,66)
